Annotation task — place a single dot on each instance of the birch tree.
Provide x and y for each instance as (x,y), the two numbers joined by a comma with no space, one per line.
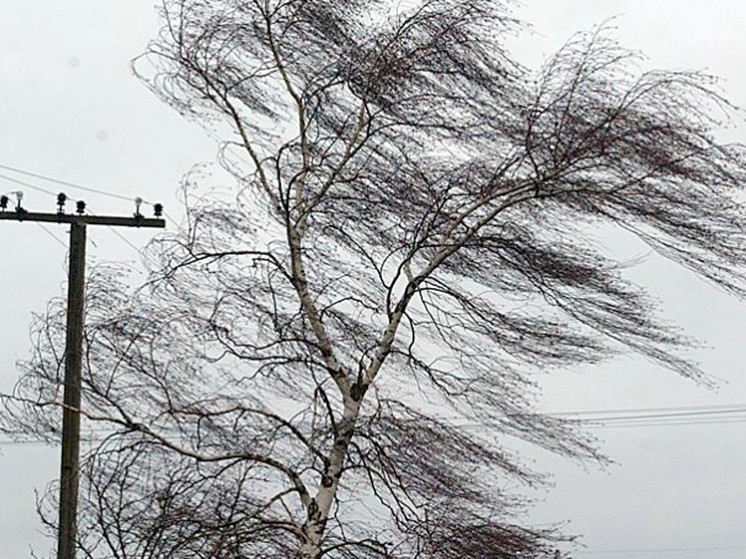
(331,358)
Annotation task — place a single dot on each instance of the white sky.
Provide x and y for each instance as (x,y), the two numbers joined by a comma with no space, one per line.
(70,108)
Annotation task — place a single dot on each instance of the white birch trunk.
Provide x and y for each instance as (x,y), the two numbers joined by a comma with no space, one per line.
(318,512)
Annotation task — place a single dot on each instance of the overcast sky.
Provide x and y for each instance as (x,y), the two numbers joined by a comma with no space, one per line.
(70,108)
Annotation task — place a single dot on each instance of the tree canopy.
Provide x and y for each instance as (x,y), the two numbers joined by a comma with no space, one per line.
(410,239)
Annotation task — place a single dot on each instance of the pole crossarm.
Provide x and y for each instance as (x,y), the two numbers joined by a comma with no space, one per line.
(135,221)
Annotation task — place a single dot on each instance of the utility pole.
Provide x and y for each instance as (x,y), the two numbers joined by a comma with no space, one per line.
(70,455)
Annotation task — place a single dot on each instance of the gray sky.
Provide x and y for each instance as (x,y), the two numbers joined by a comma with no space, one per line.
(70,108)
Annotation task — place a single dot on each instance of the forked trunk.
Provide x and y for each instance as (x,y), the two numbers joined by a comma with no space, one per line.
(309,550)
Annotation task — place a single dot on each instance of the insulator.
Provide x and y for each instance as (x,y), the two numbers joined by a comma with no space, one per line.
(158,210)
(4,202)
(80,206)
(61,199)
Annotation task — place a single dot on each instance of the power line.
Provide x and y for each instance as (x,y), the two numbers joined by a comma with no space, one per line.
(28,185)
(667,424)
(661,550)
(622,418)
(93,436)
(28,442)
(125,240)
(122,237)
(55,237)
(665,419)
(652,409)
(65,183)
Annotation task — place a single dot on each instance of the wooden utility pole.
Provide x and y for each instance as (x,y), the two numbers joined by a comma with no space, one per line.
(70,457)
